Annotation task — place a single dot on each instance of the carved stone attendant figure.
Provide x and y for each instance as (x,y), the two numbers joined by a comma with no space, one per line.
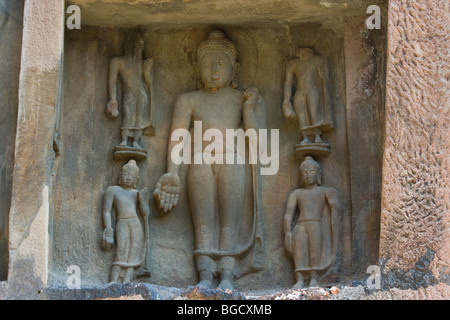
(312,236)
(137,105)
(312,105)
(218,105)
(131,237)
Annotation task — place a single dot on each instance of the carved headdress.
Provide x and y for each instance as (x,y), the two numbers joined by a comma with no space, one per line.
(131,165)
(217,42)
(309,160)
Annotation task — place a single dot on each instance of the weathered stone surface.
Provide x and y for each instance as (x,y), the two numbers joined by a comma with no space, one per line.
(11,13)
(163,13)
(365,65)
(134,291)
(129,291)
(31,202)
(415,198)
(436,292)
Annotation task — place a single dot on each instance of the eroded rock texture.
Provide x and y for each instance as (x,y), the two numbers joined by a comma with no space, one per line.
(415,217)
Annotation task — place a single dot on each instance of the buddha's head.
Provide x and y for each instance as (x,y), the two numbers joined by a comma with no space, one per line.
(217,66)
(310,172)
(134,45)
(303,52)
(129,175)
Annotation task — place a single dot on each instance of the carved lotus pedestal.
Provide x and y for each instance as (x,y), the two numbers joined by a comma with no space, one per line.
(127,152)
(313,149)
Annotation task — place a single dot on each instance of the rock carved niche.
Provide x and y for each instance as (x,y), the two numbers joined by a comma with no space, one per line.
(210,224)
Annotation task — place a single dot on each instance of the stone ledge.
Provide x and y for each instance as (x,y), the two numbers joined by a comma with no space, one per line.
(141,291)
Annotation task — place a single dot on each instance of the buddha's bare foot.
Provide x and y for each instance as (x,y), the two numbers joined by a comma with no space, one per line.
(136,145)
(299,285)
(225,285)
(305,141)
(318,140)
(207,284)
(314,283)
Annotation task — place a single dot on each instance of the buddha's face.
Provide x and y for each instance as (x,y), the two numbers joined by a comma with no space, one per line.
(135,48)
(304,53)
(216,70)
(139,47)
(310,175)
(129,178)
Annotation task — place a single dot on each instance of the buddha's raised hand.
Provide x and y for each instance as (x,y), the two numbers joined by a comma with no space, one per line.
(167,192)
